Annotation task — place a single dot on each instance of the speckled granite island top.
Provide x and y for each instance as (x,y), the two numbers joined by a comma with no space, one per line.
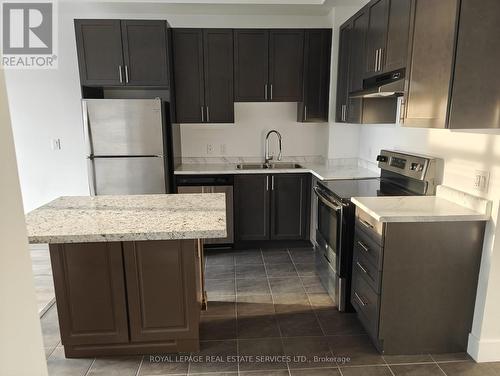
(81,219)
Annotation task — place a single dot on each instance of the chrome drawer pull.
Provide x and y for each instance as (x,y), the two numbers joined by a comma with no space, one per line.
(363,246)
(366,224)
(362,268)
(361,301)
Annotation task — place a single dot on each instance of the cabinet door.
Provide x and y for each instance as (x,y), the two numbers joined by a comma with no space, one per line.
(162,289)
(188,75)
(251,207)
(99,47)
(286,65)
(218,63)
(398,33)
(357,66)
(145,52)
(251,65)
(476,84)
(377,35)
(228,191)
(343,73)
(289,206)
(430,71)
(90,292)
(316,85)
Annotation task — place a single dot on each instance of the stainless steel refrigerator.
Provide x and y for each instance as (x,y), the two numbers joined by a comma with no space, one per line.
(125,146)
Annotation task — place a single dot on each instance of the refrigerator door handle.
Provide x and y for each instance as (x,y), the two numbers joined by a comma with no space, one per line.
(86,129)
(91,176)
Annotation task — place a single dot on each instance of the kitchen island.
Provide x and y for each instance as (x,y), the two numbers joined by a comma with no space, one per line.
(128,270)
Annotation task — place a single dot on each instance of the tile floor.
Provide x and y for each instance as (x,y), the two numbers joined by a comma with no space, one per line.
(268,306)
(44,285)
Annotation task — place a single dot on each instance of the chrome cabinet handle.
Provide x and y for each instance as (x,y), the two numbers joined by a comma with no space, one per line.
(366,224)
(202,115)
(361,301)
(271,91)
(265,91)
(208,116)
(363,269)
(376,60)
(380,57)
(126,74)
(267,182)
(120,73)
(305,112)
(363,246)
(272,183)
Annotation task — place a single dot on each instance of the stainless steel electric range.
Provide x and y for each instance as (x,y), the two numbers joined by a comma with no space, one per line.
(401,174)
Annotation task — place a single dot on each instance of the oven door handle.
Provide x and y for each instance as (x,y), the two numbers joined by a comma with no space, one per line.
(325,200)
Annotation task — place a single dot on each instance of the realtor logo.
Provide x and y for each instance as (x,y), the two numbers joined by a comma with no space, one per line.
(28,35)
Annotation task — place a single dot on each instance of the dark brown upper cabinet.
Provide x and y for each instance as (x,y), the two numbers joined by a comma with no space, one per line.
(251,65)
(99,47)
(120,53)
(476,82)
(343,73)
(316,80)
(387,36)
(268,65)
(203,75)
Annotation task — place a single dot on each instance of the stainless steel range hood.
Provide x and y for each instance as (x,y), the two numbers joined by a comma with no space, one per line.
(384,86)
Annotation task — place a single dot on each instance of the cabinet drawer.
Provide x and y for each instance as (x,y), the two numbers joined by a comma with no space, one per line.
(367,246)
(370,225)
(366,303)
(366,270)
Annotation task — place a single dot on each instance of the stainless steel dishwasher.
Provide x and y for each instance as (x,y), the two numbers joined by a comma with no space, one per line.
(211,184)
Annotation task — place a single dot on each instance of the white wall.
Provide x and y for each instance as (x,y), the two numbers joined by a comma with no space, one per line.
(46,104)
(21,347)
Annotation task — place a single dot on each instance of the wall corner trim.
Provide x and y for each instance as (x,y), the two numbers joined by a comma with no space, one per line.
(483,350)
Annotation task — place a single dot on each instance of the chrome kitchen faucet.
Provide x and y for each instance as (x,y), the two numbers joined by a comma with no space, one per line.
(268,157)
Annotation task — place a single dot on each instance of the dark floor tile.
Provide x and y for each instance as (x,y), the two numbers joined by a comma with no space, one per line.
(306,270)
(226,351)
(265,373)
(219,272)
(251,271)
(254,305)
(416,370)
(451,357)
(280,286)
(315,372)
(302,255)
(299,324)
(470,368)
(116,366)
(308,352)
(219,257)
(252,287)
(248,257)
(50,329)
(217,287)
(166,364)
(261,354)
(291,303)
(366,371)
(334,322)
(355,350)
(404,359)
(58,365)
(313,285)
(281,270)
(217,327)
(276,256)
(321,301)
(264,326)
(223,305)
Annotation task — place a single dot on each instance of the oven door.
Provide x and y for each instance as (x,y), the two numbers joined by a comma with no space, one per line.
(328,247)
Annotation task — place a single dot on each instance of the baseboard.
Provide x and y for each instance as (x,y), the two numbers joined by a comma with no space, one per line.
(483,350)
(38,247)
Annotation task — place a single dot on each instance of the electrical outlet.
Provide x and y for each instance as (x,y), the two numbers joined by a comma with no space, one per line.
(481,180)
(222,149)
(210,149)
(55,144)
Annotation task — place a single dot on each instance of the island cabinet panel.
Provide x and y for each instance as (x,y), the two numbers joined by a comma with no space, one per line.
(162,305)
(90,293)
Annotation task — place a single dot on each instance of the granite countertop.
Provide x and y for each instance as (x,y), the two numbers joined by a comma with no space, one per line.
(81,219)
(448,205)
(321,170)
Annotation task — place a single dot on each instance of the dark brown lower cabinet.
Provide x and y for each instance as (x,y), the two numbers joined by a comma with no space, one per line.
(123,298)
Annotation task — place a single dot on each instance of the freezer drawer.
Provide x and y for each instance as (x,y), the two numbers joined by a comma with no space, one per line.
(126,175)
(123,127)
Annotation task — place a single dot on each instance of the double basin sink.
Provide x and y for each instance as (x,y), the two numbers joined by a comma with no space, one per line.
(263,166)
